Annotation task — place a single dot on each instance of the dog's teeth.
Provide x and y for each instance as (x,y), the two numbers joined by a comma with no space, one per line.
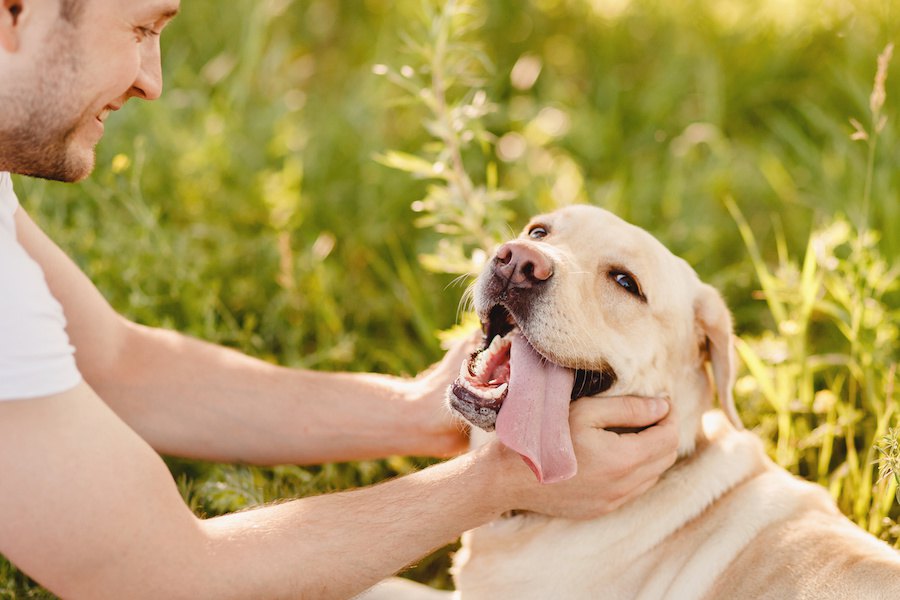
(464,370)
(464,382)
(498,344)
(476,368)
(498,391)
(480,363)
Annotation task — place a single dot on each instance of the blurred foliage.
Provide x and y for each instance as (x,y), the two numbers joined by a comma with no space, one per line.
(820,386)
(251,204)
(444,78)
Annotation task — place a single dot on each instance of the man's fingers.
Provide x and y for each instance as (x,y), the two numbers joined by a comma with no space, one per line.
(457,351)
(620,411)
(644,475)
(655,467)
(634,493)
(652,443)
(461,348)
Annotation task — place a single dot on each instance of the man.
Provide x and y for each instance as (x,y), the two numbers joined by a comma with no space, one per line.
(87,506)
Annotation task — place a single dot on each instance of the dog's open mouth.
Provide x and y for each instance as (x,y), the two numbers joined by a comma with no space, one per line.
(510,387)
(483,379)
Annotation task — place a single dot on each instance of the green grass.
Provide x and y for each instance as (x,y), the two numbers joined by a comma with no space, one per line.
(252,205)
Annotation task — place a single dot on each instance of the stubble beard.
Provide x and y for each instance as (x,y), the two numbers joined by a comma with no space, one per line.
(39,138)
(42,149)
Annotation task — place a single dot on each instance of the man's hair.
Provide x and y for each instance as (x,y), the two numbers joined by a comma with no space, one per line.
(70,10)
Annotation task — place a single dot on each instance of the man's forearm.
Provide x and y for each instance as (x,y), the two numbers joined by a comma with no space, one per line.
(121,530)
(190,398)
(338,545)
(195,399)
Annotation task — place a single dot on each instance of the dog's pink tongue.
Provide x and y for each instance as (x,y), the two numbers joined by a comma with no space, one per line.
(534,418)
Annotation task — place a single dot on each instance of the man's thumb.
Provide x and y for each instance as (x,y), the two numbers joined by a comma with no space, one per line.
(622,411)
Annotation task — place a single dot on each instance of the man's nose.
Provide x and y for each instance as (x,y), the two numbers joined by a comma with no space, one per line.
(522,264)
(149,83)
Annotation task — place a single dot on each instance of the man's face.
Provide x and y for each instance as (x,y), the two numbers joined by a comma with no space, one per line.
(65,78)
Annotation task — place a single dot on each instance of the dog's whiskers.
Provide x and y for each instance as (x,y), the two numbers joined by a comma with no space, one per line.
(466,302)
(458,280)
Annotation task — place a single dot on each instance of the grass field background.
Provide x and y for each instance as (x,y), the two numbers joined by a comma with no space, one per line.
(252,205)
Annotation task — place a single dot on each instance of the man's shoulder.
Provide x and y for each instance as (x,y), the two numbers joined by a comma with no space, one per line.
(19,273)
(21,278)
(36,357)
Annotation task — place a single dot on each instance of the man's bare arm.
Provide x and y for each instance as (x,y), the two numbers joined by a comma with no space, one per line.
(91,510)
(194,399)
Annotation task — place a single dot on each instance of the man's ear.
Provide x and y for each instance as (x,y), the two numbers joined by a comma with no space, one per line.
(10,19)
(714,322)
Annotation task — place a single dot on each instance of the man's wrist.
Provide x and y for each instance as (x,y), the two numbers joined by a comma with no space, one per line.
(502,474)
(446,435)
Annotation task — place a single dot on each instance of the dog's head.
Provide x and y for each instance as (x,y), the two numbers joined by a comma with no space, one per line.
(583,304)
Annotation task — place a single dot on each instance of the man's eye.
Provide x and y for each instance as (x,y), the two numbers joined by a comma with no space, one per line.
(627,282)
(145,32)
(538,232)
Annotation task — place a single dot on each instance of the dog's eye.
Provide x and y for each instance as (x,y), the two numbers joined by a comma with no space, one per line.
(627,282)
(538,232)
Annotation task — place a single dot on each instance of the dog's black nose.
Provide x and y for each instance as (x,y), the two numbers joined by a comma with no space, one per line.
(522,265)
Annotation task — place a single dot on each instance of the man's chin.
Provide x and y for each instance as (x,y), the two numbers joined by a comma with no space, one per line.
(75,171)
(66,155)
(79,161)
(72,166)
(64,175)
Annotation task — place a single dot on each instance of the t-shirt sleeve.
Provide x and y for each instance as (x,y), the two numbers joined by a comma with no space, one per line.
(36,358)
(8,203)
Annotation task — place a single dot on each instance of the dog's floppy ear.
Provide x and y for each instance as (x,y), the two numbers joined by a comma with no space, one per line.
(714,321)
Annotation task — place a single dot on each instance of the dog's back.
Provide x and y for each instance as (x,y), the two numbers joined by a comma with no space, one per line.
(816,554)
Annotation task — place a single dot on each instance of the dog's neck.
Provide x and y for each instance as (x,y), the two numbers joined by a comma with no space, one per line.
(722,459)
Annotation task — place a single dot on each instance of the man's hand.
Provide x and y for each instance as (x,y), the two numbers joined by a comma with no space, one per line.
(428,393)
(612,468)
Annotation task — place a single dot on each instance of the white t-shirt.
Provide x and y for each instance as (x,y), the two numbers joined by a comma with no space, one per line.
(36,358)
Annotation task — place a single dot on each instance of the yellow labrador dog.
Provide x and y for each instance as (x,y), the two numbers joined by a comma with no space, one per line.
(585,304)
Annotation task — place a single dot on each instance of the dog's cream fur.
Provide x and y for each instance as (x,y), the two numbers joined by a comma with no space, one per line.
(724,522)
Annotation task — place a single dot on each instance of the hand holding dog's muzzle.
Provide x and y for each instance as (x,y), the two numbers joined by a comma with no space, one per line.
(613,468)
